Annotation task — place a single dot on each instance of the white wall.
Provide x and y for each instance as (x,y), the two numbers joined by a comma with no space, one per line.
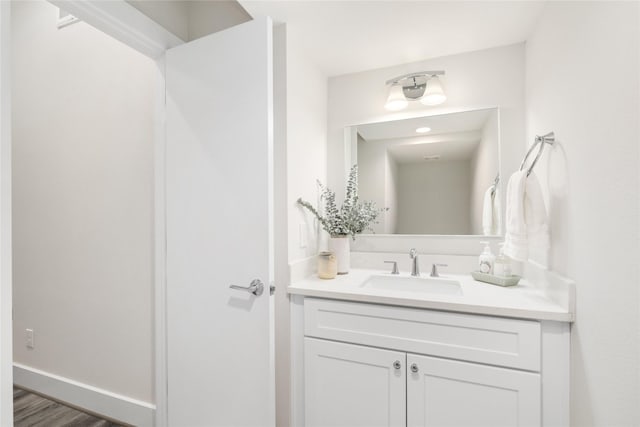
(484,167)
(390,216)
(487,78)
(305,158)
(434,197)
(6,314)
(82,203)
(306,145)
(582,82)
(373,162)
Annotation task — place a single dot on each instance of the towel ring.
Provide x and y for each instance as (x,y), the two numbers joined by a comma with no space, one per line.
(539,140)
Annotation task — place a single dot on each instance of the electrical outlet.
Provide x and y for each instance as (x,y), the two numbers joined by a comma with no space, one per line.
(30,342)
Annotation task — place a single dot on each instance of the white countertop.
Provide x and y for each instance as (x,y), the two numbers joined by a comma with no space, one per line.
(523,300)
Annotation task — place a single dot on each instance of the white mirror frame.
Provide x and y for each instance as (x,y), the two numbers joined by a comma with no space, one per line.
(425,243)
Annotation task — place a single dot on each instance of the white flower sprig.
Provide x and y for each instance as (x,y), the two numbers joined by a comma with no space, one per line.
(353,217)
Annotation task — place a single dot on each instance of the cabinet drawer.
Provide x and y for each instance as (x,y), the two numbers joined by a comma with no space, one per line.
(491,340)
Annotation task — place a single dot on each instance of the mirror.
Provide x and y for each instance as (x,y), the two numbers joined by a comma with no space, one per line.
(436,181)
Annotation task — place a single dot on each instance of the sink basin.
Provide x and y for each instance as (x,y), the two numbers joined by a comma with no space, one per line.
(427,285)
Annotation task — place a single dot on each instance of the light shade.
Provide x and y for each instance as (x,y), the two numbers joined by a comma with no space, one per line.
(396,100)
(433,94)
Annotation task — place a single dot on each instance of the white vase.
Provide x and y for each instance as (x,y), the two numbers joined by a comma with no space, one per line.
(340,247)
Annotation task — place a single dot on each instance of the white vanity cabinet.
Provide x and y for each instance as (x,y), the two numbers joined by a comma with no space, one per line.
(336,372)
(444,392)
(378,365)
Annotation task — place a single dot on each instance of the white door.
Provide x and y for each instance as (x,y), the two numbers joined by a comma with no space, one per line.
(353,386)
(449,393)
(219,228)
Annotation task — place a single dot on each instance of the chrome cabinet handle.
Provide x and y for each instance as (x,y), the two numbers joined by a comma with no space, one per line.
(256,287)
(414,368)
(397,364)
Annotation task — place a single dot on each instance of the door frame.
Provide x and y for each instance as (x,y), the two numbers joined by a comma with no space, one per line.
(122,21)
(6,302)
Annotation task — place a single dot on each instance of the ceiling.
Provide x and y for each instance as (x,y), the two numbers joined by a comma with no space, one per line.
(453,136)
(349,36)
(442,123)
(458,147)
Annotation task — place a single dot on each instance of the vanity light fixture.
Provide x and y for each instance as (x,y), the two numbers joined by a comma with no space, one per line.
(433,94)
(423,130)
(424,86)
(396,100)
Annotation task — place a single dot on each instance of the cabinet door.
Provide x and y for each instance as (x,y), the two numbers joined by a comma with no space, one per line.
(447,393)
(352,385)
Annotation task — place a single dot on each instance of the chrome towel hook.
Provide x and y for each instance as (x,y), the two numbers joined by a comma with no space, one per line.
(549,138)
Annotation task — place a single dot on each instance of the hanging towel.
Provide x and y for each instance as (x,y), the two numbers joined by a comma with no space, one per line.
(526,220)
(491,212)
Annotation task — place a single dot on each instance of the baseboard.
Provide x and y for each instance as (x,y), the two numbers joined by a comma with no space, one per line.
(92,399)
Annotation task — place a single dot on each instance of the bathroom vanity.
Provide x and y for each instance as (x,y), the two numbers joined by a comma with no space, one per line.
(374,349)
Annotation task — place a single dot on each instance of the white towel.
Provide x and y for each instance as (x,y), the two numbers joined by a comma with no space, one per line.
(526,220)
(491,212)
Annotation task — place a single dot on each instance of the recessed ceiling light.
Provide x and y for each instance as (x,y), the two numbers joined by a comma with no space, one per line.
(423,130)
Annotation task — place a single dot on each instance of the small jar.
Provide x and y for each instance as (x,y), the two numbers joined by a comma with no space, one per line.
(327,265)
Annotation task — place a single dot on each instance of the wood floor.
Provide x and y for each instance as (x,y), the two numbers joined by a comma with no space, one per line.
(31,410)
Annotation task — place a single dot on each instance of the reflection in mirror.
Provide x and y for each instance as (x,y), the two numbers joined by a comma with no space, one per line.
(436,174)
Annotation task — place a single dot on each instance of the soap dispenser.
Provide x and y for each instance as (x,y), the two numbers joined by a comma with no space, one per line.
(486,259)
(502,265)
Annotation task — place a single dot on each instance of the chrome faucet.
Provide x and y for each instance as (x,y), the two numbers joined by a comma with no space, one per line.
(415,268)
(434,269)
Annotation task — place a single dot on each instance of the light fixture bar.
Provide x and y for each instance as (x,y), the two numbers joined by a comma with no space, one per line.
(423,86)
(398,79)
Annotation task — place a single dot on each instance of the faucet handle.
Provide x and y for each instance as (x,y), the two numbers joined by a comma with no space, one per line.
(394,269)
(413,253)
(434,269)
